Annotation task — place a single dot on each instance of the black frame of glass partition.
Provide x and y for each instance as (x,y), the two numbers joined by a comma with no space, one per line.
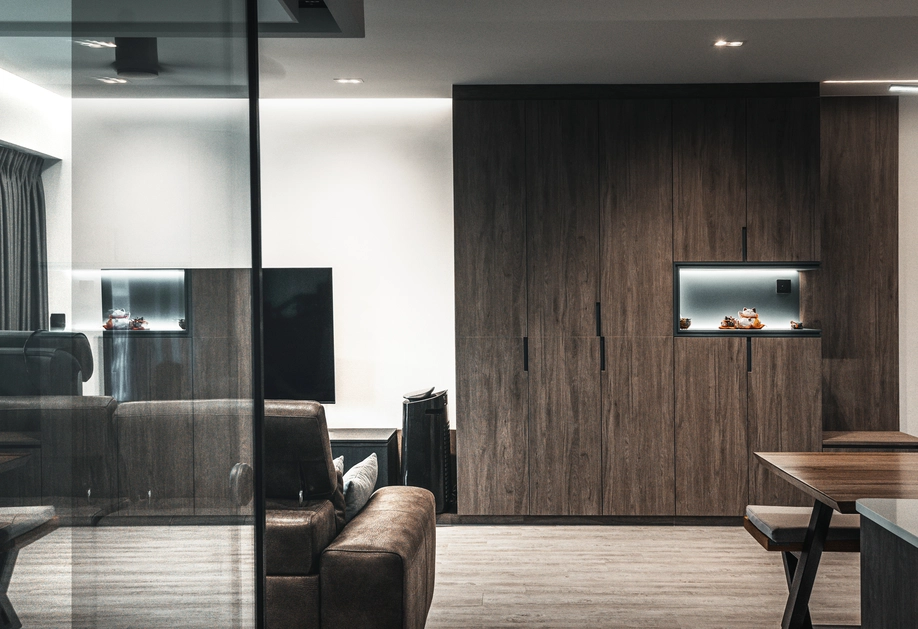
(677,332)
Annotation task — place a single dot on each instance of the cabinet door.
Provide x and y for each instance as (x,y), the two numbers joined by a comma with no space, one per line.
(636,203)
(638,466)
(155,463)
(782,165)
(490,230)
(492,440)
(784,411)
(565,433)
(711,449)
(709,179)
(562,217)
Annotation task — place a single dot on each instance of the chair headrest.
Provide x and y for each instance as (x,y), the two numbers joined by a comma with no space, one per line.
(297,451)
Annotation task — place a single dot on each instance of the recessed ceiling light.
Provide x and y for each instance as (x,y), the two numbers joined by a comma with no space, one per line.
(876,81)
(110,80)
(92,43)
(904,89)
(723,43)
(348,80)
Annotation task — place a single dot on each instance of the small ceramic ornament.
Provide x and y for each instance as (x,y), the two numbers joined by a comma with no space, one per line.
(748,319)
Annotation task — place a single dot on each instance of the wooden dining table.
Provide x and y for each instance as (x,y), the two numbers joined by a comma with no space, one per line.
(835,480)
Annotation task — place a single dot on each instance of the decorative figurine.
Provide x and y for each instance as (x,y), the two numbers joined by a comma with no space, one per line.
(139,324)
(118,319)
(749,319)
(685,323)
(182,324)
(729,323)
(796,325)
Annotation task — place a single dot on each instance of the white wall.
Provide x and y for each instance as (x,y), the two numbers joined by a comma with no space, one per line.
(37,120)
(908,264)
(365,187)
(158,183)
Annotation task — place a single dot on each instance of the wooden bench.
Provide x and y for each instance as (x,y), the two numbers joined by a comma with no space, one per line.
(869,441)
(784,529)
(19,527)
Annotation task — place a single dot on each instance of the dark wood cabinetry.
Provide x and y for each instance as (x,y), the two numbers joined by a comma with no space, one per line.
(736,396)
(637,438)
(569,214)
(711,450)
(492,446)
(784,411)
(782,179)
(709,179)
(562,217)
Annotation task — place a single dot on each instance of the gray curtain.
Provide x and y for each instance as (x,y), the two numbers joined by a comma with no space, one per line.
(23,243)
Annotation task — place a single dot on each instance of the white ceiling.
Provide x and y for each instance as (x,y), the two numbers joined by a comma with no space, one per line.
(420,48)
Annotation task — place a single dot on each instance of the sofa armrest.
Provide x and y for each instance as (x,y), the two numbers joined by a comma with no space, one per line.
(379,571)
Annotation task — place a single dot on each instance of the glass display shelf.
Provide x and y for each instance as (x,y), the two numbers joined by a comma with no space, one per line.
(145,301)
(708,293)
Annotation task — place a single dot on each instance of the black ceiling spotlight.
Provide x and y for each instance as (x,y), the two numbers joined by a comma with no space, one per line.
(136,58)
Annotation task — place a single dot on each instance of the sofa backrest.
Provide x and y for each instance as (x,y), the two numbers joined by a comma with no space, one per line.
(298,454)
(74,343)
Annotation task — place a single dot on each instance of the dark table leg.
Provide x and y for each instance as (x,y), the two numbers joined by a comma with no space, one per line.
(796,613)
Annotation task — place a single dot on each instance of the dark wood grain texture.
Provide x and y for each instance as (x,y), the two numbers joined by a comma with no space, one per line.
(489,187)
(889,579)
(782,185)
(869,439)
(859,208)
(839,479)
(709,179)
(784,411)
(562,217)
(711,441)
(636,217)
(147,366)
(221,439)
(155,455)
(492,427)
(565,428)
(637,448)
(221,327)
(12,461)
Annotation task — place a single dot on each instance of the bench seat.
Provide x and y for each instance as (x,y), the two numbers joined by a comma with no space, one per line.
(784,528)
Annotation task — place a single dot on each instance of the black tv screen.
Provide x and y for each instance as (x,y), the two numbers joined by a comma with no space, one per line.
(299,336)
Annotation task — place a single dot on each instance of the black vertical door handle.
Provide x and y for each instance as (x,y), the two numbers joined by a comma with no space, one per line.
(749,354)
(598,319)
(602,353)
(525,353)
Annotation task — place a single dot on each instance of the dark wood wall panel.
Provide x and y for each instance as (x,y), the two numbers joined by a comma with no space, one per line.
(562,217)
(711,442)
(709,179)
(889,579)
(489,185)
(492,398)
(855,299)
(221,329)
(782,166)
(637,449)
(784,411)
(222,438)
(636,217)
(565,432)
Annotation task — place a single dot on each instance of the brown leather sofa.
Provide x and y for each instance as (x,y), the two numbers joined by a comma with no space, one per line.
(376,571)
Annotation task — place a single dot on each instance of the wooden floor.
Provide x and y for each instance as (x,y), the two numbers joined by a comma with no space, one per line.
(487,576)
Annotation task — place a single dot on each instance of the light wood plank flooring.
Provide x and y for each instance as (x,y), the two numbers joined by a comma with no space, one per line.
(487,576)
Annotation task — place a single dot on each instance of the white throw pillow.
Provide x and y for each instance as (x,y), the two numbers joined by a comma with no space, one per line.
(359,482)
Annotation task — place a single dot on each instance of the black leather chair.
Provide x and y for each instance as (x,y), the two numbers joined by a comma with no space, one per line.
(44,363)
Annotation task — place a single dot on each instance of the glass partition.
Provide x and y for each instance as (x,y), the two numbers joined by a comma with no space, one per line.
(127,407)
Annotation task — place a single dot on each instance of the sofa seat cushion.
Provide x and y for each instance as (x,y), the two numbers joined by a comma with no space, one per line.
(16,521)
(295,535)
(788,525)
(379,572)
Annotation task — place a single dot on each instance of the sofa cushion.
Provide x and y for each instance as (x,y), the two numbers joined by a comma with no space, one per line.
(295,535)
(298,454)
(788,525)
(16,521)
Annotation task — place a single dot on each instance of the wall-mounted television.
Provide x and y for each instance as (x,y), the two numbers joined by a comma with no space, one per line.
(299,335)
